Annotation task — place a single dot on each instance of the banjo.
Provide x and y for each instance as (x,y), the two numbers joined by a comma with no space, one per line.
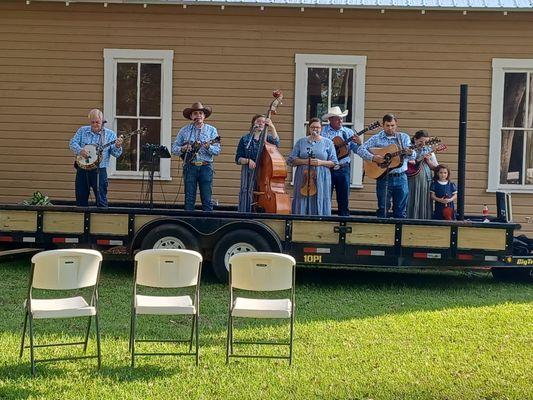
(95,151)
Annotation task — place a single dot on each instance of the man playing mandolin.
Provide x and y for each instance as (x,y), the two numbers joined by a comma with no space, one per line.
(197,143)
(393,183)
(340,175)
(95,178)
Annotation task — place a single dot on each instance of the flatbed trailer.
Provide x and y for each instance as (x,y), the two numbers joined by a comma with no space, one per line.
(354,241)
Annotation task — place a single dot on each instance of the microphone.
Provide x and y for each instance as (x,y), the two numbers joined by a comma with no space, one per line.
(104,122)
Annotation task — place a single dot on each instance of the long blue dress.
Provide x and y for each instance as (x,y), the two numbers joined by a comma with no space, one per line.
(248,147)
(443,190)
(319,204)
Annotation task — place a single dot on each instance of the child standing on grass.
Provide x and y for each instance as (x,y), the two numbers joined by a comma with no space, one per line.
(443,193)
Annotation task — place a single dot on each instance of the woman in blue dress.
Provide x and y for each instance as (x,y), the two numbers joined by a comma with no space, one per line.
(312,156)
(443,193)
(246,155)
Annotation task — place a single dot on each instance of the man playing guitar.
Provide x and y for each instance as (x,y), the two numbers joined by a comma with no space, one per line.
(96,178)
(393,184)
(197,143)
(340,175)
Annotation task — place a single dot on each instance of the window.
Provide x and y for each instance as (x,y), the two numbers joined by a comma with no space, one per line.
(324,81)
(138,94)
(511,132)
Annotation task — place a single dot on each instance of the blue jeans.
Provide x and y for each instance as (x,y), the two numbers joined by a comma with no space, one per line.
(202,176)
(397,189)
(96,180)
(340,181)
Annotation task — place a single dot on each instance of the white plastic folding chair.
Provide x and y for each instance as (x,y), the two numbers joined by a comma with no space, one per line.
(66,270)
(261,272)
(166,269)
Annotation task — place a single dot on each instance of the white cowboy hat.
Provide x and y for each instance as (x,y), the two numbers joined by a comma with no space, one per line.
(335,112)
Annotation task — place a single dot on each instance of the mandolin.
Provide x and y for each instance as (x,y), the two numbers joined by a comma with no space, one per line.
(188,156)
(392,155)
(95,152)
(342,147)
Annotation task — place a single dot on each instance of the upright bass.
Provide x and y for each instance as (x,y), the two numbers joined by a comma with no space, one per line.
(270,171)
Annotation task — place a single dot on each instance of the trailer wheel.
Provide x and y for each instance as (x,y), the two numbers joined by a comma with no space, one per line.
(170,236)
(239,241)
(512,274)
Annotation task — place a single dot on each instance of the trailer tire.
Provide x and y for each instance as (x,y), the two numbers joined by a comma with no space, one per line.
(238,241)
(512,274)
(170,236)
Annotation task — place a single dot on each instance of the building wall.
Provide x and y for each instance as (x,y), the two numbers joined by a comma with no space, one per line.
(51,74)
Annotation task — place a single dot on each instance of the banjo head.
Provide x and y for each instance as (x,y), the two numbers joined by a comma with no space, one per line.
(92,159)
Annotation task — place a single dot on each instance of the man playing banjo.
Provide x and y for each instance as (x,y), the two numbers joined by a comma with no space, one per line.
(94,174)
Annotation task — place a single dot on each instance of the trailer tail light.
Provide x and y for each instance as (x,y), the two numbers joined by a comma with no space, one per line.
(6,238)
(463,256)
(109,242)
(370,252)
(322,250)
(427,255)
(65,240)
(28,239)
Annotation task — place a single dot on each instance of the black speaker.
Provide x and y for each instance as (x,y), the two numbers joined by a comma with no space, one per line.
(504,207)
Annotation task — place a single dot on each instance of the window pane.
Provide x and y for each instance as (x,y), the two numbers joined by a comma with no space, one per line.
(317,92)
(152,136)
(126,89)
(512,157)
(128,160)
(514,99)
(341,90)
(529,157)
(150,90)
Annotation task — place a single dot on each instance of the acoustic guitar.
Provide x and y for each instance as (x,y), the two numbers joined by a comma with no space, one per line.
(95,151)
(342,147)
(392,158)
(414,169)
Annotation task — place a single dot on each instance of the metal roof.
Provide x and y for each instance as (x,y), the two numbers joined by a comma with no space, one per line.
(487,5)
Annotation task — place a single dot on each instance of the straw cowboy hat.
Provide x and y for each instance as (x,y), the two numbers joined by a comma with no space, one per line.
(196,107)
(335,112)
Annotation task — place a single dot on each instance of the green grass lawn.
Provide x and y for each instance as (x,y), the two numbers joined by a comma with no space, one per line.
(358,335)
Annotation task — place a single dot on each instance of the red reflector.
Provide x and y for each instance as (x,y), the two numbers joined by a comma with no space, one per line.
(6,238)
(364,252)
(465,256)
(102,241)
(58,240)
(420,255)
(309,249)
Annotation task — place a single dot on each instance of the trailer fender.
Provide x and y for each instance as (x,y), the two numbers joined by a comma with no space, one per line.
(166,234)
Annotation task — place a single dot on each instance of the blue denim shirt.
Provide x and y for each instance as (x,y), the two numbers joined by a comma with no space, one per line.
(345,133)
(190,134)
(85,136)
(381,139)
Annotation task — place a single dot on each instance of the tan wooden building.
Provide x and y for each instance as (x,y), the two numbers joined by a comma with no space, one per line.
(143,62)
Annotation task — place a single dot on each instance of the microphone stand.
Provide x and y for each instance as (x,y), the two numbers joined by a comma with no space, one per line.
(309,156)
(100,151)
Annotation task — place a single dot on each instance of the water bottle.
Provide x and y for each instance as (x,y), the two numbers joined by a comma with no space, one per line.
(485,213)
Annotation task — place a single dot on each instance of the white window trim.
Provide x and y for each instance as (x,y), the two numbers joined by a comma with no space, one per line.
(499,67)
(304,61)
(166,57)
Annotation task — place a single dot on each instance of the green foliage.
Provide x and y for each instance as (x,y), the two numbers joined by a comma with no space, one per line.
(37,199)
(358,335)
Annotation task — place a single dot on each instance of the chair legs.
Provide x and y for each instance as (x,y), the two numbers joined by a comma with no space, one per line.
(194,338)
(87,335)
(32,355)
(229,338)
(23,333)
(98,344)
